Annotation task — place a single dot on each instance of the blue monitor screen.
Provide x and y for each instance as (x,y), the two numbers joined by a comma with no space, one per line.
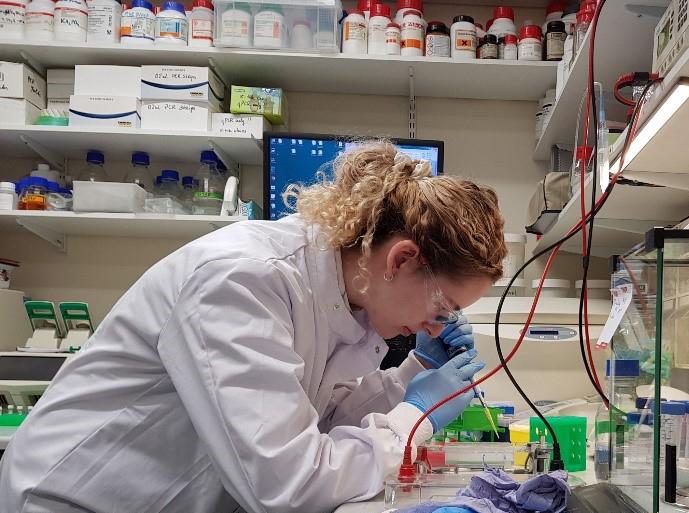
(294,158)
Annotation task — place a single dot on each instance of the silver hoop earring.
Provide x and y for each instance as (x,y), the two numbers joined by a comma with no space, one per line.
(387,278)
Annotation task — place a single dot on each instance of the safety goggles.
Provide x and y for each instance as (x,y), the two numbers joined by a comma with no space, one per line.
(440,305)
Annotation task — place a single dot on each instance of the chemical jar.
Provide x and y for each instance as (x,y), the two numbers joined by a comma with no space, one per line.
(377,24)
(139,173)
(12,19)
(234,26)
(596,289)
(104,21)
(172,26)
(8,196)
(553,288)
(40,18)
(503,22)
(138,24)
(403,6)
(366,7)
(463,34)
(201,23)
(489,47)
(516,247)
(530,47)
(508,50)
(393,39)
(437,39)
(554,41)
(413,30)
(270,30)
(71,20)
(553,12)
(354,33)
(34,194)
(302,35)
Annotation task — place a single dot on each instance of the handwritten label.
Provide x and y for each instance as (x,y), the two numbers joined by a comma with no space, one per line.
(177,107)
(621,299)
(239,125)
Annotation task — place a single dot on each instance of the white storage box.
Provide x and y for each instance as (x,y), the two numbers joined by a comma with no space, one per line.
(108,197)
(105,111)
(516,245)
(60,76)
(516,290)
(60,91)
(597,289)
(18,112)
(189,83)
(553,288)
(20,81)
(170,115)
(107,80)
(240,125)
(316,23)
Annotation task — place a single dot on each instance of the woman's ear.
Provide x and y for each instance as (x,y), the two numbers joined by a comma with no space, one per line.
(403,256)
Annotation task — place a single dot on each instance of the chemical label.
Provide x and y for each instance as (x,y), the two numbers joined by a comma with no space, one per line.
(465,41)
(234,28)
(530,50)
(101,21)
(69,19)
(354,31)
(173,28)
(555,45)
(202,29)
(622,296)
(136,24)
(437,45)
(40,21)
(11,16)
(489,51)
(208,195)
(392,37)
(268,28)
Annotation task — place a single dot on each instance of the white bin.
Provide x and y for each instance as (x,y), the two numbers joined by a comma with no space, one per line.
(597,289)
(108,197)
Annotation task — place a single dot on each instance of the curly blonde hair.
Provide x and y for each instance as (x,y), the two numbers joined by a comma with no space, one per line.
(379,192)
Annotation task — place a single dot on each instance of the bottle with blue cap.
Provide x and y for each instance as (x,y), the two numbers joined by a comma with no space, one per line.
(95,168)
(172,25)
(188,189)
(208,196)
(671,425)
(139,173)
(169,184)
(623,377)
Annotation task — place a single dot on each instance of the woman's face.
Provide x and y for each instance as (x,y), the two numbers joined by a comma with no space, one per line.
(415,299)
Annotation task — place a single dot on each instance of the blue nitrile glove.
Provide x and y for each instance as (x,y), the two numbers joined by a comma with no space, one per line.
(437,351)
(431,386)
(453,509)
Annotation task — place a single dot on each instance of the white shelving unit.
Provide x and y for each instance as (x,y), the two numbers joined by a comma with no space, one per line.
(332,73)
(624,44)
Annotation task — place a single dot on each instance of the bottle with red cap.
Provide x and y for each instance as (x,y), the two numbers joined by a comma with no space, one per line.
(404,5)
(355,33)
(503,22)
(530,47)
(377,24)
(553,12)
(413,33)
(201,23)
(366,6)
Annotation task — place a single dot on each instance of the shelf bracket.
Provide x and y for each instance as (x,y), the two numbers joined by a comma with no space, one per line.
(59,240)
(412,105)
(52,157)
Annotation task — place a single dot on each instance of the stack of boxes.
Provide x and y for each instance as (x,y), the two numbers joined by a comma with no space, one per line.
(60,89)
(22,94)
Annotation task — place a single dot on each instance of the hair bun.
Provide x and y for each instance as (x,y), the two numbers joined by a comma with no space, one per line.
(414,169)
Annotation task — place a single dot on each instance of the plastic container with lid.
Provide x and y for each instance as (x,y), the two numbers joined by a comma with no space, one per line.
(34,194)
(139,172)
(103,24)
(393,39)
(201,23)
(234,26)
(12,19)
(463,35)
(40,20)
(597,289)
(172,26)
(508,49)
(95,168)
(553,288)
(437,39)
(555,37)
(489,47)
(8,196)
(301,35)
(270,29)
(516,247)
(413,33)
(71,20)
(530,47)
(355,33)
(502,22)
(377,24)
(137,25)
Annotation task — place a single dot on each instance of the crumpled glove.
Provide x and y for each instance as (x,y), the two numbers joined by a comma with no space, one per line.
(437,351)
(431,386)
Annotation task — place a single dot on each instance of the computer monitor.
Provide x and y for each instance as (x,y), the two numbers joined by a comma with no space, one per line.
(296,158)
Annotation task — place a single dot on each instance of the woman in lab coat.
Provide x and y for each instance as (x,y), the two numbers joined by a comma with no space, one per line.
(225,379)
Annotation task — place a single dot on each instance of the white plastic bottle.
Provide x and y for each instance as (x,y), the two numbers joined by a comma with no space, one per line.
(201,23)
(12,18)
(172,26)
(270,30)
(393,39)
(40,20)
(463,38)
(236,27)
(503,22)
(71,20)
(355,33)
(301,35)
(413,30)
(530,47)
(138,24)
(104,21)
(377,24)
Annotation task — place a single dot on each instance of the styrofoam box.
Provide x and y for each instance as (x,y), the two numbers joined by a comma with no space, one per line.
(60,76)
(176,115)
(240,125)
(105,111)
(18,112)
(20,81)
(191,83)
(60,90)
(107,80)
(108,197)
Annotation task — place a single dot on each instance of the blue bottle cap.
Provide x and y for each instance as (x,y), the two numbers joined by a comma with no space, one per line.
(171,5)
(36,180)
(633,417)
(95,157)
(141,158)
(209,156)
(672,408)
(188,180)
(169,175)
(65,190)
(623,368)
(53,187)
(19,185)
(643,403)
(508,410)
(648,420)
(158,179)
(142,3)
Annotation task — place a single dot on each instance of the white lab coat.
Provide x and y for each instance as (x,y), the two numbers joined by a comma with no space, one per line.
(226,373)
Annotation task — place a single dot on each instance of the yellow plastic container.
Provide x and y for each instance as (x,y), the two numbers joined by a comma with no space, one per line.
(519,437)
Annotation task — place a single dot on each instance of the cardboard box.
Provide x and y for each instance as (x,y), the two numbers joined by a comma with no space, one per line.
(60,91)
(257,100)
(14,111)
(240,125)
(107,81)
(189,83)
(105,111)
(60,76)
(175,115)
(21,82)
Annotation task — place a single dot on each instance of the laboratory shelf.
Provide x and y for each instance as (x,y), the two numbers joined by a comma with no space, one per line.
(119,143)
(628,213)
(624,44)
(322,73)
